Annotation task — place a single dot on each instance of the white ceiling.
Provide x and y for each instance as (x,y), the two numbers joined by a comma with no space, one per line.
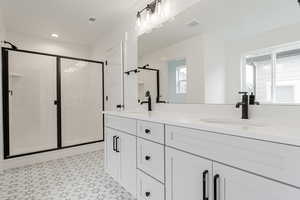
(67,18)
(228,18)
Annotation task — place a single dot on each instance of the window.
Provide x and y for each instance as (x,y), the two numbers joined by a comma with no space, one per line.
(181,80)
(274,76)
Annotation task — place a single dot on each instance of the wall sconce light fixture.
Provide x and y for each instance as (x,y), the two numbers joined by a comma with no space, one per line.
(152,15)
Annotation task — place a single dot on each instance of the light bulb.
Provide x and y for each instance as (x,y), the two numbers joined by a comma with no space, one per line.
(139,20)
(166,8)
(158,8)
(148,13)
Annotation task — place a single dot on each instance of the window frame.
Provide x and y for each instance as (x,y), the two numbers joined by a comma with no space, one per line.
(272,51)
(178,81)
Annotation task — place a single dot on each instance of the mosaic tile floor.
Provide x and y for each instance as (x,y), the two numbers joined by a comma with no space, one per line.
(79,177)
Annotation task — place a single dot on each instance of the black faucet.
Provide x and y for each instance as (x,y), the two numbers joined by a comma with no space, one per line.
(244,104)
(148,101)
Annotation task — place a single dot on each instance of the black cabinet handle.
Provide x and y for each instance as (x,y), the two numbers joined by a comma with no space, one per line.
(204,176)
(216,178)
(114,143)
(120,106)
(147,158)
(117,144)
(147,194)
(147,131)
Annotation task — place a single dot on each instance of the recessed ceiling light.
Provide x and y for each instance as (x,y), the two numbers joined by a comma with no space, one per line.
(92,19)
(54,35)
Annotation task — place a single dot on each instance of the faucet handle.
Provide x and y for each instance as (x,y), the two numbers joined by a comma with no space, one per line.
(147,94)
(243,93)
(252,100)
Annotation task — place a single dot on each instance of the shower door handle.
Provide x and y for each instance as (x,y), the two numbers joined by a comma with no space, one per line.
(10,92)
(55,102)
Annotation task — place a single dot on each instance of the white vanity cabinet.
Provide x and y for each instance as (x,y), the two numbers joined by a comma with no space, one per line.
(157,161)
(192,177)
(234,184)
(149,188)
(112,158)
(150,158)
(120,154)
(150,161)
(249,172)
(187,176)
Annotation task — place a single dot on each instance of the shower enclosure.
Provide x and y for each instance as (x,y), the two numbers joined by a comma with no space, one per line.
(50,102)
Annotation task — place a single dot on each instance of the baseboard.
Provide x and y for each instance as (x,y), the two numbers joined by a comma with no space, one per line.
(43,157)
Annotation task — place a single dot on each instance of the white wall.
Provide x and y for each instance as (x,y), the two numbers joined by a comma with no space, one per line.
(214,69)
(191,50)
(125,32)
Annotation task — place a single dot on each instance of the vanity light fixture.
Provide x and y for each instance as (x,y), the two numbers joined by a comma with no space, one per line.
(153,14)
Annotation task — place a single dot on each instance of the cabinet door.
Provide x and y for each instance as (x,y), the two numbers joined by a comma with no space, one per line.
(127,148)
(112,158)
(233,184)
(186,175)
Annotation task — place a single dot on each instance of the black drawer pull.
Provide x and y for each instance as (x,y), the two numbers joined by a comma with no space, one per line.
(147,131)
(216,178)
(117,144)
(147,194)
(114,143)
(147,158)
(204,176)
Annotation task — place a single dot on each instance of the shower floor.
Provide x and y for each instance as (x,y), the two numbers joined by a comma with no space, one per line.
(79,177)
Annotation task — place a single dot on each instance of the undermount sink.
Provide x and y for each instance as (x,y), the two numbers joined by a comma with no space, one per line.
(233,122)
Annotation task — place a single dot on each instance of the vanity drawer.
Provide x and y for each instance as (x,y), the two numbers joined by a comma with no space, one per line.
(151,158)
(276,161)
(120,123)
(151,131)
(148,188)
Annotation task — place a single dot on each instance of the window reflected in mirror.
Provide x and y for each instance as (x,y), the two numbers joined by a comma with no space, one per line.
(274,77)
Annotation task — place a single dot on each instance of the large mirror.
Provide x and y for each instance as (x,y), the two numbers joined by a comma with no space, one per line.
(214,49)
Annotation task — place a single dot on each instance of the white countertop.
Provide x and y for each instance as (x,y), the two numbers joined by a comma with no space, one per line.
(259,130)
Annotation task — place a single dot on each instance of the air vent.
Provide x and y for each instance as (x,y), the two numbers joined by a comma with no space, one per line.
(193,23)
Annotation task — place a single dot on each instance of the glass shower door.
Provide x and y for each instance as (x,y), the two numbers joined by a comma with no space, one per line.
(32,93)
(81,102)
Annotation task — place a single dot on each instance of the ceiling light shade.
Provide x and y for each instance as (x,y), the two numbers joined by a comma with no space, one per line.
(54,35)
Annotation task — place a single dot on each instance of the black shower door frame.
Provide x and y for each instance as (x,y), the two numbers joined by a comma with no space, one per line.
(5,101)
